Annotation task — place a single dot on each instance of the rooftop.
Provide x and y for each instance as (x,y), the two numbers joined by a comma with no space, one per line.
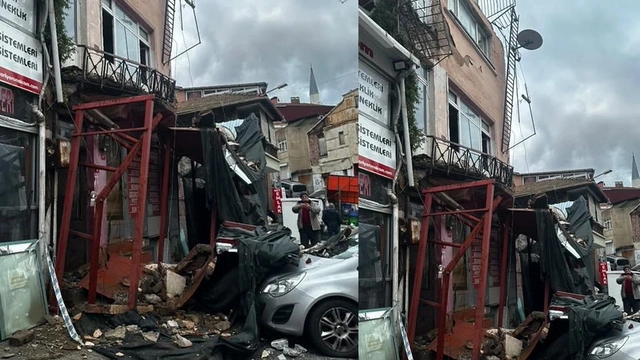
(617,195)
(222,101)
(556,172)
(293,112)
(559,189)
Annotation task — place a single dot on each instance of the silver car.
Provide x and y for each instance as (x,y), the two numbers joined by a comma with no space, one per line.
(618,345)
(319,299)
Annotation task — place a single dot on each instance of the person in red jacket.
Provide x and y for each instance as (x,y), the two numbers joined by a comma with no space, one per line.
(630,290)
(308,220)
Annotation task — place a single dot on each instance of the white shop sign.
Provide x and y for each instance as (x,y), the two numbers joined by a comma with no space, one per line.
(373,94)
(376,148)
(20,59)
(19,12)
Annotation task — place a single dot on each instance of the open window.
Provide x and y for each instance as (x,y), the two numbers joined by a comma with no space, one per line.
(123,36)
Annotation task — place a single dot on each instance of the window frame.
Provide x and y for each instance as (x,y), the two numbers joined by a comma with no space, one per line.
(282,145)
(482,38)
(112,7)
(342,140)
(322,141)
(458,103)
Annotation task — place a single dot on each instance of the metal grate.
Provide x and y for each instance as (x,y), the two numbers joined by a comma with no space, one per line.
(458,159)
(114,72)
(427,29)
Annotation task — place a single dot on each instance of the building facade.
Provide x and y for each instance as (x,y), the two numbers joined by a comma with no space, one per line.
(527,178)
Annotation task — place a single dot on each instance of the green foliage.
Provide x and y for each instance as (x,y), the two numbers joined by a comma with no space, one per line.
(385,14)
(66,45)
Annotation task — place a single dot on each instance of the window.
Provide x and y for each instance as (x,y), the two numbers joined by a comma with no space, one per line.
(474,29)
(123,36)
(70,20)
(466,127)
(422,105)
(529,179)
(607,225)
(322,145)
(282,145)
(341,138)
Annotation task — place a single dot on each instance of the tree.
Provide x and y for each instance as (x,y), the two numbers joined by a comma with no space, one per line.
(66,45)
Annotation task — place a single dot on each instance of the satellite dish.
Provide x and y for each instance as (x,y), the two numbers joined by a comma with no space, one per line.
(530,39)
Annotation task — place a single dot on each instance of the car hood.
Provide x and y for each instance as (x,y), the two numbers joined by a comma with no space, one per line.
(311,263)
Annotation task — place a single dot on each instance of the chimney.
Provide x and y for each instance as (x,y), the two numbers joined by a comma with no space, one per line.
(295,100)
(275,100)
(619,184)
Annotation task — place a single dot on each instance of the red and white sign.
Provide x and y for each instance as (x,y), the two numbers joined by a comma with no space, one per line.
(20,59)
(277,200)
(604,267)
(376,148)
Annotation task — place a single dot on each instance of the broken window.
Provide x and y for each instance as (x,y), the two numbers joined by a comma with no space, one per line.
(466,127)
(322,145)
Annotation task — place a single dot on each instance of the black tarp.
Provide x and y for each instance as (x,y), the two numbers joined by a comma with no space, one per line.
(237,201)
(579,220)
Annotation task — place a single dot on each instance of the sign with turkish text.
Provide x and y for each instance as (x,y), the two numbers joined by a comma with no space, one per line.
(604,267)
(19,12)
(16,104)
(277,200)
(20,58)
(376,148)
(373,94)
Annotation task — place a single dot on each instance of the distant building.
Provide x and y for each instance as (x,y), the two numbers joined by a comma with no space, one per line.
(189,93)
(333,145)
(527,178)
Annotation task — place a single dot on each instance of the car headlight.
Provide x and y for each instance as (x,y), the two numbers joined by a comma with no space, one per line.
(283,285)
(607,349)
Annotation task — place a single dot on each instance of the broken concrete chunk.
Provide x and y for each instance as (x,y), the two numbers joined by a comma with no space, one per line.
(53,320)
(172,325)
(222,325)
(132,328)
(118,333)
(282,357)
(492,357)
(89,344)
(280,344)
(225,335)
(265,354)
(151,336)
(77,316)
(181,341)
(153,298)
(21,337)
(97,333)
(512,347)
(190,325)
(119,354)
(175,284)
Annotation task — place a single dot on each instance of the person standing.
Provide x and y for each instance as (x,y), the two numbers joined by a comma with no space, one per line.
(630,290)
(308,220)
(332,219)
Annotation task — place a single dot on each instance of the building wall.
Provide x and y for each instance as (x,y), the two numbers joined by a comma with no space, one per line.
(479,80)
(148,13)
(297,155)
(621,224)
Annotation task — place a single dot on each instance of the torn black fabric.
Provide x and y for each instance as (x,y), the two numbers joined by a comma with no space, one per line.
(579,219)
(221,189)
(553,261)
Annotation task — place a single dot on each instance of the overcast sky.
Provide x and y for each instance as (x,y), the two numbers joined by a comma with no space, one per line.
(274,41)
(584,83)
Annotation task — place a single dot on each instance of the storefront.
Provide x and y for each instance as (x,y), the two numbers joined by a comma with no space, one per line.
(377,161)
(20,83)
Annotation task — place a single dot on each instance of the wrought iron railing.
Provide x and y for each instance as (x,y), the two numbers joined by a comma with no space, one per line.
(458,159)
(271,149)
(112,71)
(427,28)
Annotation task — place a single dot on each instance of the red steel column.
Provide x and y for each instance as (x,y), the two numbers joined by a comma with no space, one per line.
(504,282)
(164,207)
(70,190)
(484,270)
(417,279)
(142,200)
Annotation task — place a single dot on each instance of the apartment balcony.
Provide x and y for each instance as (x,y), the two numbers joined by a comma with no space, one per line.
(112,72)
(271,149)
(458,160)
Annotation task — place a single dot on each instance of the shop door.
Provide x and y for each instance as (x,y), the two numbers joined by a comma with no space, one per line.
(375,260)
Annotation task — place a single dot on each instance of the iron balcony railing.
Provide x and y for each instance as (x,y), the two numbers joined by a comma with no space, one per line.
(111,71)
(458,159)
(271,149)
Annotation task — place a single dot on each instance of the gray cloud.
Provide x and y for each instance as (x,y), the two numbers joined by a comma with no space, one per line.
(274,41)
(584,84)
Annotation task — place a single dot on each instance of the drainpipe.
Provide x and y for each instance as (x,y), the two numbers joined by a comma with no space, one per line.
(405,125)
(54,50)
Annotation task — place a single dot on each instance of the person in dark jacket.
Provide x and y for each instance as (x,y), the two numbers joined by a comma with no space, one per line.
(332,220)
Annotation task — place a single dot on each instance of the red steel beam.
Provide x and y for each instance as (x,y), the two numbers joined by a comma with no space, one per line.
(503,272)
(456,212)
(113,102)
(99,167)
(70,190)
(444,243)
(461,186)
(142,199)
(81,234)
(484,271)
(109,132)
(417,279)
(164,202)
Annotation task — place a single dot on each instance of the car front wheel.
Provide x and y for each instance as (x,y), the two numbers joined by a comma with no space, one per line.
(333,328)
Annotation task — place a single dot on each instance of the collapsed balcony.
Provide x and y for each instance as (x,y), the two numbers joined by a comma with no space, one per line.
(112,72)
(460,161)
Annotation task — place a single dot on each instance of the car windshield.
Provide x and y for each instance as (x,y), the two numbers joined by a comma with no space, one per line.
(351,251)
(299,188)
